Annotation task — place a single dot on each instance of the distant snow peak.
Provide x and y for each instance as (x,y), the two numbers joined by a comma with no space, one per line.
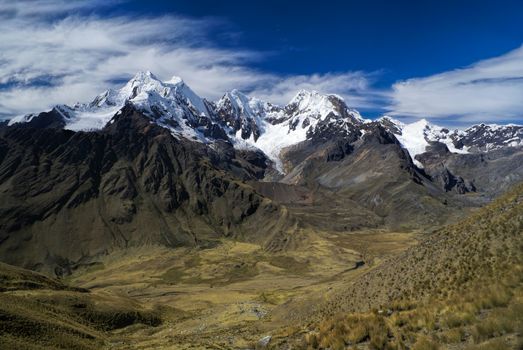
(487,137)
(241,106)
(175,80)
(415,137)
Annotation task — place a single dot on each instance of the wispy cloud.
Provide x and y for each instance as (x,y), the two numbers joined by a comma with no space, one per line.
(489,90)
(355,87)
(48,7)
(57,51)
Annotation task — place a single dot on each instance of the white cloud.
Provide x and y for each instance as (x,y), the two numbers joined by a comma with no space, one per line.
(57,51)
(488,90)
(353,86)
(48,7)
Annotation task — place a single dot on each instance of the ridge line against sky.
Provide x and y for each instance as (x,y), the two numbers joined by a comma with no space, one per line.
(57,51)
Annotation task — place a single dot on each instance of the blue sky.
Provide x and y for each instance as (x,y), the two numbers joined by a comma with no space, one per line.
(454,62)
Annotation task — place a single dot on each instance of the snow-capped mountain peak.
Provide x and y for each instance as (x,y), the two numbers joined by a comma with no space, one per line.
(312,104)
(417,136)
(486,137)
(175,80)
(172,104)
(146,90)
(309,115)
(243,106)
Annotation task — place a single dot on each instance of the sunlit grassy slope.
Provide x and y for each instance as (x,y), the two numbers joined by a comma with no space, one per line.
(37,312)
(461,288)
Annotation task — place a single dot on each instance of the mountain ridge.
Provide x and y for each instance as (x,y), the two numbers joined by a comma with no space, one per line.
(248,122)
(129,184)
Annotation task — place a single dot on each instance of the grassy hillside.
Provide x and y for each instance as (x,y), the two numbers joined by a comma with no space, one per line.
(461,288)
(37,312)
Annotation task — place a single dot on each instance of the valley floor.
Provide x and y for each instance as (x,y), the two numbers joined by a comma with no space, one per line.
(233,294)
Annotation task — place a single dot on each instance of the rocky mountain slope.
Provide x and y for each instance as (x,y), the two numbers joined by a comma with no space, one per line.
(70,196)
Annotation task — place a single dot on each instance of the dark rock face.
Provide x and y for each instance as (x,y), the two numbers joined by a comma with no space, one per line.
(209,129)
(247,126)
(339,150)
(487,173)
(333,127)
(378,134)
(68,197)
(440,174)
(390,126)
(233,116)
(450,182)
(53,119)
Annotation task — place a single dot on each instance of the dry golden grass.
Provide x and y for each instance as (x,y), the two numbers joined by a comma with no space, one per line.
(234,289)
(490,314)
(41,313)
(464,286)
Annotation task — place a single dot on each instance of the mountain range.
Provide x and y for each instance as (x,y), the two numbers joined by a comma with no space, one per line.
(248,122)
(154,163)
